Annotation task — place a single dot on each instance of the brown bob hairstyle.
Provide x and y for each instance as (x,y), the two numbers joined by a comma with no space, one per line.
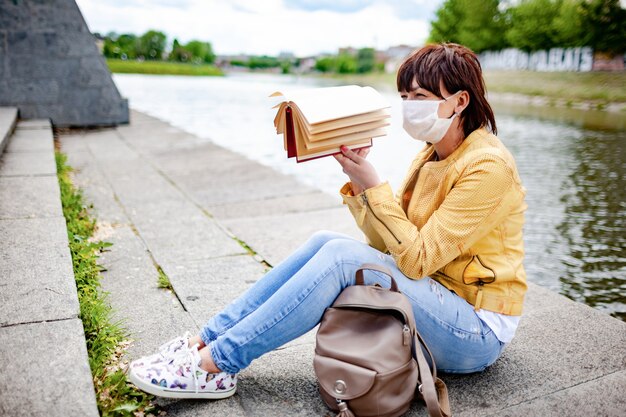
(457,68)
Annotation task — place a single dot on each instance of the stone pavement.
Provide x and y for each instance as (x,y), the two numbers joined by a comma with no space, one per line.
(168,200)
(44,369)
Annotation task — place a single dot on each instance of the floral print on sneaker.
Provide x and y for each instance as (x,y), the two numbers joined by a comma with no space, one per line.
(167,352)
(183,378)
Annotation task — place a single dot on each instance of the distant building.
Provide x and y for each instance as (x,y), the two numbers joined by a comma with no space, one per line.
(307,64)
(395,55)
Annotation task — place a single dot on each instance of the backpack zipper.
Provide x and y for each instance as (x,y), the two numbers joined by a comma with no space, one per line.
(367,203)
(406,335)
(405,318)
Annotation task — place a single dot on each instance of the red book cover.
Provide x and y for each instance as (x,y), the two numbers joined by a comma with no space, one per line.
(291,136)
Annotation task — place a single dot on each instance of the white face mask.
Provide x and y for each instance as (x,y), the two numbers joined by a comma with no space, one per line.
(421,121)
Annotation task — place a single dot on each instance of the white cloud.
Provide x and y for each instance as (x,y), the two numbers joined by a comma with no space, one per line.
(266,27)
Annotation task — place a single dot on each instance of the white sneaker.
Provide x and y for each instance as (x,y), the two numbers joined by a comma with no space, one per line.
(183,378)
(167,352)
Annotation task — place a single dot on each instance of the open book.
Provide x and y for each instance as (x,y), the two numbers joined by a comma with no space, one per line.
(317,121)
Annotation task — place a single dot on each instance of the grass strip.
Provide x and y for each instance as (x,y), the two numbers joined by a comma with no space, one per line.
(163,280)
(162,68)
(105,340)
(595,87)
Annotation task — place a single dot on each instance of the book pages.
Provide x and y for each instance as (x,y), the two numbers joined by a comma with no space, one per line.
(316,122)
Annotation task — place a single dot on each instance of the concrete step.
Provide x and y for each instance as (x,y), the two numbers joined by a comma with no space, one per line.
(8,119)
(39,324)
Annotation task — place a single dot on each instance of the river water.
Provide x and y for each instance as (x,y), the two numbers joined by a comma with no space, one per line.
(572,162)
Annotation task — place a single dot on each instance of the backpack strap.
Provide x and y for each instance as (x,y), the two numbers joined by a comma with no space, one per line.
(379,268)
(433,390)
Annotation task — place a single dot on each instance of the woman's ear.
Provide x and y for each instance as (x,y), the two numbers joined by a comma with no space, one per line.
(462,102)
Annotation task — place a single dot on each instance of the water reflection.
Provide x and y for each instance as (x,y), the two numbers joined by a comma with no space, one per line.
(575,230)
(594,225)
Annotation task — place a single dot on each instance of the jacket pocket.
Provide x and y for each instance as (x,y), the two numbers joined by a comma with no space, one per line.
(477,272)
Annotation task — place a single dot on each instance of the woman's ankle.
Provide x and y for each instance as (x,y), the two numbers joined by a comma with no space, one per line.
(196,340)
(207,364)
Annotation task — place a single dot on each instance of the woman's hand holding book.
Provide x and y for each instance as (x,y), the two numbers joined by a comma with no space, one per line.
(361,172)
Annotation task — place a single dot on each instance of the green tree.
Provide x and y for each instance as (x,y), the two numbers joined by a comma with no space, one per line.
(366,60)
(477,24)
(444,28)
(263,62)
(604,22)
(151,45)
(346,64)
(120,46)
(201,52)
(285,67)
(179,53)
(532,26)
(568,25)
(326,64)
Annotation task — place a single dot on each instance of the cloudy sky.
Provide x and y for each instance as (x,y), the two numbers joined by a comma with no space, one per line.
(304,27)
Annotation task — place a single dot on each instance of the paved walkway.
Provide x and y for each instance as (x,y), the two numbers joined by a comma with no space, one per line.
(167,199)
(45,371)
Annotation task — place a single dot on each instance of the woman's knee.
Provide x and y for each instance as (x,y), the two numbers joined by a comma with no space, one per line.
(348,252)
(322,237)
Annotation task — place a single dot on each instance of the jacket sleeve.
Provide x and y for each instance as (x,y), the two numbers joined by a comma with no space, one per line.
(483,195)
(356,209)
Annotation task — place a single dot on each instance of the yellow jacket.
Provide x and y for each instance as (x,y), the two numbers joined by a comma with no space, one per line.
(458,221)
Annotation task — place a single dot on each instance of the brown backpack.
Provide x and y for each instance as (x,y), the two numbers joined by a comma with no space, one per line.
(368,355)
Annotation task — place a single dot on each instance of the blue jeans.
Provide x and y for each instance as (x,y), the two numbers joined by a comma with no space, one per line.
(290,300)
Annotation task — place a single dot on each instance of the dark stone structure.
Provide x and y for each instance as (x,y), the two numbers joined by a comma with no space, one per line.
(51,68)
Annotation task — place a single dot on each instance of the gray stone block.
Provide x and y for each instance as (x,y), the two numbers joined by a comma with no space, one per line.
(25,42)
(68,13)
(47,48)
(3,56)
(34,124)
(46,70)
(234,184)
(36,275)
(107,145)
(206,287)
(275,237)
(83,44)
(173,227)
(45,371)
(32,91)
(90,72)
(103,202)
(8,120)
(31,140)
(230,407)
(163,141)
(27,163)
(29,197)
(282,383)
(551,352)
(600,397)
(275,206)
(14,15)
(177,231)
(73,143)
(151,315)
